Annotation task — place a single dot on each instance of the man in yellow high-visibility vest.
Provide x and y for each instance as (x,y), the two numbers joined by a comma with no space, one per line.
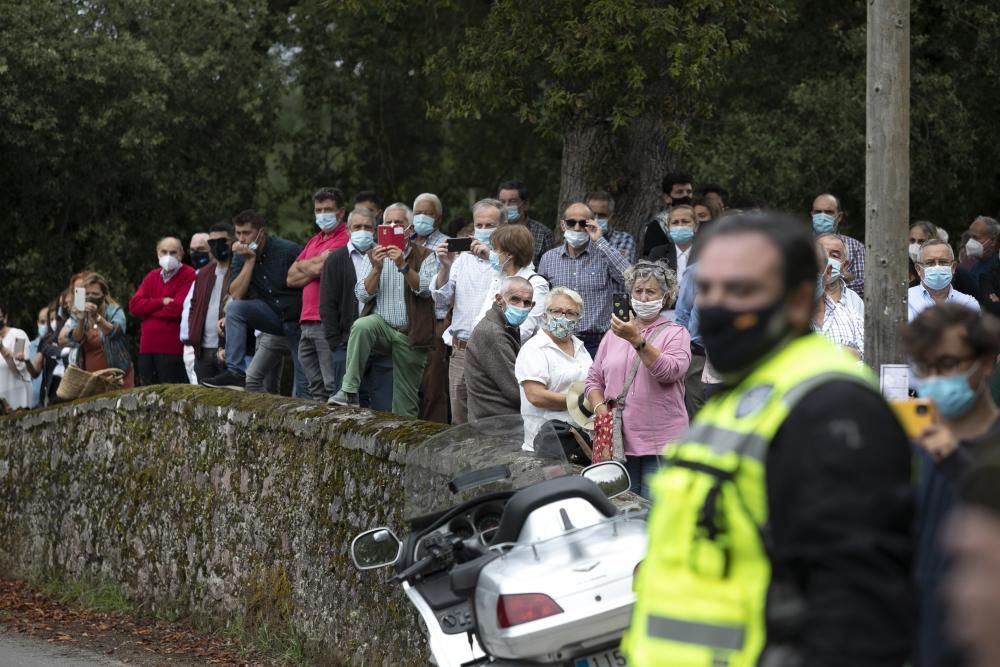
(780,533)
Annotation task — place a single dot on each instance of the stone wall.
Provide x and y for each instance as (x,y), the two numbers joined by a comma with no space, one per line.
(193,498)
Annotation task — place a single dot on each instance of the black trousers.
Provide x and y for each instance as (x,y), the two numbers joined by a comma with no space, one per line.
(207,364)
(162,369)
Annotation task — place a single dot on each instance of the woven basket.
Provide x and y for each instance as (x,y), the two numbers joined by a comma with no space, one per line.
(78,383)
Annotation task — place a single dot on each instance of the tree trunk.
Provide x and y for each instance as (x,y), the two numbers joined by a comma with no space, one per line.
(629,164)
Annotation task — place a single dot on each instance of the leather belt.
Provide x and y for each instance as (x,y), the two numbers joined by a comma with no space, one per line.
(459,344)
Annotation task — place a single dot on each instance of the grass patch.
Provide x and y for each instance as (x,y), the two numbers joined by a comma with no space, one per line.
(96,594)
(259,638)
(266,626)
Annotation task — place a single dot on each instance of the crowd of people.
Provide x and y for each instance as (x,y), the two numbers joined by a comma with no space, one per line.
(398,310)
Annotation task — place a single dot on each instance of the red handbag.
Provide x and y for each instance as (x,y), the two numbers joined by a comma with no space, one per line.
(604,436)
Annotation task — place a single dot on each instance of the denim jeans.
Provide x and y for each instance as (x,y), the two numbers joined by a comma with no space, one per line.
(245,315)
(376,384)
(640,471)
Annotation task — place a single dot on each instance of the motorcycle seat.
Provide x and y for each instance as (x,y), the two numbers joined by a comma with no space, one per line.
(527,500)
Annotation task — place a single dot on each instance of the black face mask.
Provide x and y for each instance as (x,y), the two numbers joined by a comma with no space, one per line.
(680,201)
(220,249)
(199,258)
(96,300)
(735,340)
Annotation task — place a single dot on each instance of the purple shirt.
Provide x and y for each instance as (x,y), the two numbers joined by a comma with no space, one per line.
(654,408)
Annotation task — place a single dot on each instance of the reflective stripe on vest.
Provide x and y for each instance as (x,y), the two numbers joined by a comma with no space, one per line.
(724,441)
(728,637)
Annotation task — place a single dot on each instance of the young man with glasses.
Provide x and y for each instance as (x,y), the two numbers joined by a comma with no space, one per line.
(587,264)
(936,269)
(953,351)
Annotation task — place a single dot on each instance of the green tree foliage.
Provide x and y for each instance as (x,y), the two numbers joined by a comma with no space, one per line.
(122,121)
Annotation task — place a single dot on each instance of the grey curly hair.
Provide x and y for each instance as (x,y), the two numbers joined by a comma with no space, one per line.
(645,269)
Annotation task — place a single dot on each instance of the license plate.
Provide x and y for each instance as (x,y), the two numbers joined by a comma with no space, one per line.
(613,657)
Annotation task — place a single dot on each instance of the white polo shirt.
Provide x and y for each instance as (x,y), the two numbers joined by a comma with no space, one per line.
(541,360)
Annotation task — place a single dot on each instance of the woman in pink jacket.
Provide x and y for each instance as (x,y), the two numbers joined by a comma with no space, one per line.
(656,353)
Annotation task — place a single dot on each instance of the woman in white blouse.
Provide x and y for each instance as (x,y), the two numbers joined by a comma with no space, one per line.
(551,361)
(15,381)
(513,250)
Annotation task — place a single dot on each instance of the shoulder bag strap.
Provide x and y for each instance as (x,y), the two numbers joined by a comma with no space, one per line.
(620,401)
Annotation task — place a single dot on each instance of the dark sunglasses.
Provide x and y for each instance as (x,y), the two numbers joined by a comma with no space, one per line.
(570,222)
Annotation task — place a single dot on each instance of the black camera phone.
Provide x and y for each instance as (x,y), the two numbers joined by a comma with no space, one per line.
(621,305)
(460,245)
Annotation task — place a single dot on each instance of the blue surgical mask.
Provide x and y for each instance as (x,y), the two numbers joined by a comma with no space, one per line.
(682,235)
(513,214)
(951,393)
(495,261)
(362,239)
(576,239)
(604,225)
(326,221)
(823,223)
(423,224)
(484,235)
(516,316)
(560,327)
(937,277)
(834,265)
(42,330)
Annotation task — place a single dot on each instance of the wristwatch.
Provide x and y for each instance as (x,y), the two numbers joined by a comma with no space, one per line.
(641,346)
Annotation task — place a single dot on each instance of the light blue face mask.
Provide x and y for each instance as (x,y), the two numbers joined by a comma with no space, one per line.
(604,225)
(682,235)
(937,277)
(326,221)
(823,223)
(516,316)
(423,224)
(42,330)
(495,262)
(362,239)
(834,265)
(951,393)
(576,239)
(513,214)
(484,235)
(560,327)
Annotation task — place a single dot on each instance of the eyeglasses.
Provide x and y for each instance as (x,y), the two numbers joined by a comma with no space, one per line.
(559,312)
(936,262)
(576,224)
(943,366)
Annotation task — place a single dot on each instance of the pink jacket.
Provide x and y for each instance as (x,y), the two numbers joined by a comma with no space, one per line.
(654,407)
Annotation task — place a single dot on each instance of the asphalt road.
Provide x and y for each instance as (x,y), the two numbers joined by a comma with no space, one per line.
(22,651)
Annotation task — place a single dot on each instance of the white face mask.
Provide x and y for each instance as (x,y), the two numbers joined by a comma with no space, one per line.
(647,310)
(576,239)
(169,263)
(914,252)
(974,248)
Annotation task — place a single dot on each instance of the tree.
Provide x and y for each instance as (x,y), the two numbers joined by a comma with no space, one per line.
(617,81)
(122,121)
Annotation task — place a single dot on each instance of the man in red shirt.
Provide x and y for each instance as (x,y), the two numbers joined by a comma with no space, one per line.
(158,302)
(314,352)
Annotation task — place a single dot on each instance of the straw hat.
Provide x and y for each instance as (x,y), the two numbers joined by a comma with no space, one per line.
(578,406)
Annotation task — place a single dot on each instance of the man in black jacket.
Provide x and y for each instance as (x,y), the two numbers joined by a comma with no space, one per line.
(339,307)
(676,190)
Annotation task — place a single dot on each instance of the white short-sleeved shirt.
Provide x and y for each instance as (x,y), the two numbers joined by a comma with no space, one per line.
(541,360)
(918,300)
(15,385)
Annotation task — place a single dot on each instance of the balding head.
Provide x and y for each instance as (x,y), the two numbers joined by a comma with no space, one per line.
(199,242)
(170,245)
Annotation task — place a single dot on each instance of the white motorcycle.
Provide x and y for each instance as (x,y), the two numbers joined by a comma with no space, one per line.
(519,562)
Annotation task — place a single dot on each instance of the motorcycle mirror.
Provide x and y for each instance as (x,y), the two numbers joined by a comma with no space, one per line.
(375,548)
(610,476)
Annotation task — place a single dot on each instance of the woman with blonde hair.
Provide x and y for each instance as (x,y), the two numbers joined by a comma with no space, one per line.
(99,331)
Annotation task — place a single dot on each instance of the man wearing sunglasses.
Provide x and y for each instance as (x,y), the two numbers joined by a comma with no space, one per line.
(587,264)
(936,268)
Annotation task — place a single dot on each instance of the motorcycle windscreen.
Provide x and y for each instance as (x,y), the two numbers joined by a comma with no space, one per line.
(503,453)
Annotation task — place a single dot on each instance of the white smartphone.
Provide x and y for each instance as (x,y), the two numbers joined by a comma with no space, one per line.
(18,346)
(79,298)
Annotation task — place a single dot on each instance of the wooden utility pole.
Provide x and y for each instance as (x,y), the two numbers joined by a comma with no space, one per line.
(887,179)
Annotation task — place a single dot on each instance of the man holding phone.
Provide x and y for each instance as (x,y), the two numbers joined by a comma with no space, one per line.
(953,349)
(398,316)
(587,264)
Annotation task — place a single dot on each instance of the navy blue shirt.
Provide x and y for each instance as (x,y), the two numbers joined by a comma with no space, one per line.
(268,281)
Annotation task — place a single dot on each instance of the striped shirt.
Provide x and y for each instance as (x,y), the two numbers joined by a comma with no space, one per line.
(856,266)
(391,302)
(431,242)
(843,327)
(595,274)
